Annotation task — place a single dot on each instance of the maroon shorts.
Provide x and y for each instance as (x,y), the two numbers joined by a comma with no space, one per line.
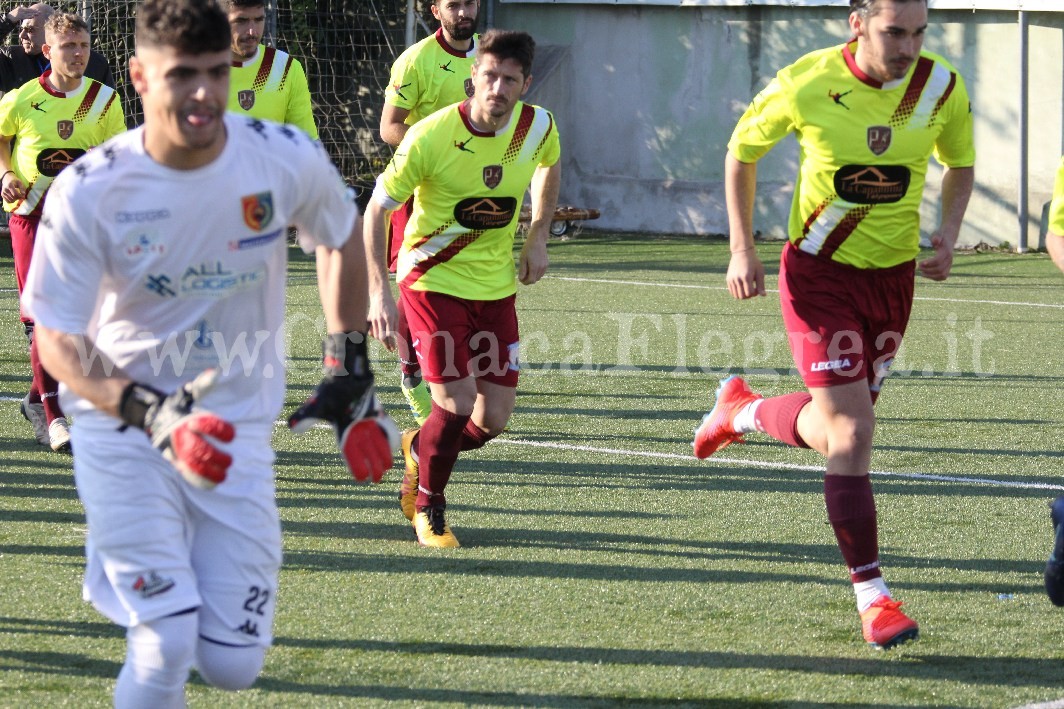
(396,228)
(456,338)
(23,235)
(843,323)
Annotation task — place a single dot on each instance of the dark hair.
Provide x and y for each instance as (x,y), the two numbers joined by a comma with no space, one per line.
(509,44)
(191,26)
(230,5)
(63,22)
(868,8)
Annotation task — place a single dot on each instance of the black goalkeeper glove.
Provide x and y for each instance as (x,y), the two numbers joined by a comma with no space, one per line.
(347,399)
(184,436)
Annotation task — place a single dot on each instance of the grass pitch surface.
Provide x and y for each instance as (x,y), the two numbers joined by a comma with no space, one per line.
(602,565)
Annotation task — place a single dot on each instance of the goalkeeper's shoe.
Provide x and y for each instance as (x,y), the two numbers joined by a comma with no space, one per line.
(419,398)
(432,529)
(408,485)
(34,413)
(1054,574)
(884,626)
(716,430)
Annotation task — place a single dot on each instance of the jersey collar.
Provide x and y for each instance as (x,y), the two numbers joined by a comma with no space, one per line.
(456,52)
(47,86)
(848,50)
(254,58)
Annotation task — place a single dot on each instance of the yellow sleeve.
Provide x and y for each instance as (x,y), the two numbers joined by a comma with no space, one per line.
(1056,207)
(299,111)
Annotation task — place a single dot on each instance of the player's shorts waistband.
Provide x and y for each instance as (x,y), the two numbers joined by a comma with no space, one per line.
(886,272)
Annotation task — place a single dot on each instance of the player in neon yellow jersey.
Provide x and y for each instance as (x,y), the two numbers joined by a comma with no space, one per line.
(429,75)
(868,116)
(265,82)
(467,166)
(50,121)
(1054,573)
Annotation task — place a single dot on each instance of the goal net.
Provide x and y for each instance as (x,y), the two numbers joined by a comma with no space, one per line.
(346,47)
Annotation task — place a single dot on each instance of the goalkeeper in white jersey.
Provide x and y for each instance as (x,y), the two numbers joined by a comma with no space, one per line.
(164,327)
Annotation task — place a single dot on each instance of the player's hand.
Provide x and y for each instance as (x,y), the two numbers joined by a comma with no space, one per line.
(746,274)
(346,398)
(13,189)
(185,437)
(533,263)
(938,267)
(383,319)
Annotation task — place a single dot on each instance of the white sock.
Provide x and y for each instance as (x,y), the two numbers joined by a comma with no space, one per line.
(744,420)
(869,591)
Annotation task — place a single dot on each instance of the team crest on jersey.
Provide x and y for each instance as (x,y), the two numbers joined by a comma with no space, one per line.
(258,210)
(246,99)
(468,87)
(65,129)
(879,139)
(492,176)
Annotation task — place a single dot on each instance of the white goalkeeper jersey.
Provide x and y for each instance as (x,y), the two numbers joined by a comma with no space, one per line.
(172,272)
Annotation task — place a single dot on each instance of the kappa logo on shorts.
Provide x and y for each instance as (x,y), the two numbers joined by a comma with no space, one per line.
(65,129)
(246,99)
(258,210)
(152,585)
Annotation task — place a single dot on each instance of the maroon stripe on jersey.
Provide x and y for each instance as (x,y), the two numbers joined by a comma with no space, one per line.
(86,103)
(842,232)
(284,74)
(451,50)
(445,254)
(945,96)
(816,213)
(524,122)
(269,54)
(917,84)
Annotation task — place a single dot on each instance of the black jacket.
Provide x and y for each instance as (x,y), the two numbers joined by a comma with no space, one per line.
(17,67)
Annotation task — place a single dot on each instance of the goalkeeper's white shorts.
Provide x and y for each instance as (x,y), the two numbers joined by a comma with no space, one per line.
(158,546)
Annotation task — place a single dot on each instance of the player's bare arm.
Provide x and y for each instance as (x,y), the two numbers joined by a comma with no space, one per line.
(546,182)
(75,361)
(383,316)
(393,124)
(746,273)
(1055,247)
(342,283)
(957,184)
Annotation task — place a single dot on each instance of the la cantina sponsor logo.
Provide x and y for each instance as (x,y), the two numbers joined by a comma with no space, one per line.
(485,212)
(831,364)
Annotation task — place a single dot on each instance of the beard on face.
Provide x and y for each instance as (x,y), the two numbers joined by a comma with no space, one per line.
(462,30)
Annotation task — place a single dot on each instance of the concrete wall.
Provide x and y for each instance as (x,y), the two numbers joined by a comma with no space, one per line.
(646,98)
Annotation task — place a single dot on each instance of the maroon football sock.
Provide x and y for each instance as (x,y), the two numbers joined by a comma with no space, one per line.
(473,437)
(852,513)
(46,386)
(408,363)
(438,444)
(778,417)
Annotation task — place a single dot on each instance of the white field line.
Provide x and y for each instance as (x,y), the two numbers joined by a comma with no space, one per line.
(724,288)
(729,461)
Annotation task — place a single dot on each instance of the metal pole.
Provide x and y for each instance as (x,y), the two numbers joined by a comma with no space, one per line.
(1022,214)
(410,13)
(269,32)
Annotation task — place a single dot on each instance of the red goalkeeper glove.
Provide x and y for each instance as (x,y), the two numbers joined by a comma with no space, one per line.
(185,437)
(347,399)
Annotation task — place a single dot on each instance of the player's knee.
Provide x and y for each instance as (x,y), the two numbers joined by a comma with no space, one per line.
(159,655)
(227,667)
(849,433)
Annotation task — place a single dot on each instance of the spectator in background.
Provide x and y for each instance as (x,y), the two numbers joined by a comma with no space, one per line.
(45,125)
(26,60)
(429,75)
(265,82)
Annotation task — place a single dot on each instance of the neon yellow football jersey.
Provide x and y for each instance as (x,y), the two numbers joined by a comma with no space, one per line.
(864,147)
(272,85)
(468,187)
(51,129)
(1056,207)
(429,75)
